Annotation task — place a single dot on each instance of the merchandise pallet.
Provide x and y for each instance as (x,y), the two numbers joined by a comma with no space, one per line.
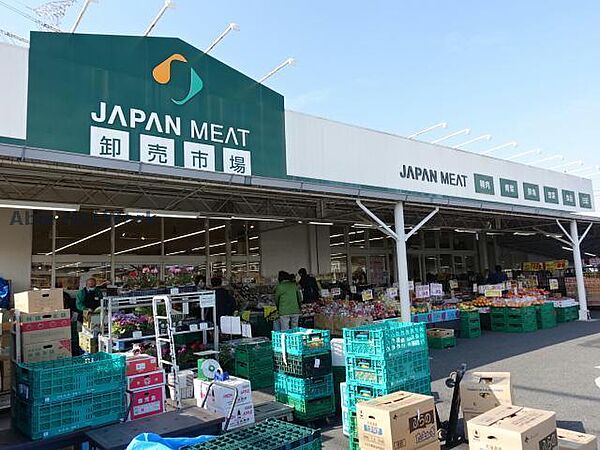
(45,420)
(384,339)
(307,410)
(303,366)
(301,341)
(306,388)
(61,379)
(271,434)
(388,373)
(441,342)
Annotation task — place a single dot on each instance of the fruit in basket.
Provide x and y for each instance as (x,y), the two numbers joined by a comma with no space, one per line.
(482,302)
(466,306)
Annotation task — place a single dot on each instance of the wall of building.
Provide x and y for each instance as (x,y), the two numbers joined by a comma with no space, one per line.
(13,90)
(15,248)
(291,247)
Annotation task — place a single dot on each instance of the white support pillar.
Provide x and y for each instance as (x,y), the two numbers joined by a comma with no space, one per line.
(581,296)
(53,268)
(402,262)
(247,245)
(207,250)
(348,255)
(228,250)
(162,249)
(112,249)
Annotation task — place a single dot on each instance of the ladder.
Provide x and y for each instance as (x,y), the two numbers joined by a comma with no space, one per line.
(165,300)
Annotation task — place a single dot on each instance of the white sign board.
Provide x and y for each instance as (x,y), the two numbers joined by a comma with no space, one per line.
(422,291)
(553,284)
(325,150)
(436,289)
(411,285)
(392,292)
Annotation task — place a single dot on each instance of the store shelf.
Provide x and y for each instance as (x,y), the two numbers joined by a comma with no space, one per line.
(153,336)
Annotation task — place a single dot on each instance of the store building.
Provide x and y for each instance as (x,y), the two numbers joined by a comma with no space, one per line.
(124,154)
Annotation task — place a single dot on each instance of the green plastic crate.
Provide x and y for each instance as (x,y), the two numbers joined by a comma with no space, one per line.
(470,333)
(388,372)
(262,381)
(384,338)
(567,314)
(61,379)
(467,316)
(353,443)
(502,327)
(306,388)
(441,342)
(498,314)
(301,341)
(339,374)
(527,311)
(544,323)
(306,410)
(525,327)
(44,420)
(270,434)
(546,307)
(254,352)
(303,366)
(244,369)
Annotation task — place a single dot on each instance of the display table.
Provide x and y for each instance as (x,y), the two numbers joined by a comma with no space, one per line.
(188,422)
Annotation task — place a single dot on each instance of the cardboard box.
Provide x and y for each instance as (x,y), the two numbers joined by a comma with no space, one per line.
(87,342)
(440,332)
(45,327)
(338,358)
(47,351)
(146,380)
(91,320)
(466,417)
(574,440)
(6,318)
(402,420)
(43,300)
(140,364)
(483,391)
(221,397)
(513,428)
(242,415)
(6,370)
(146,402)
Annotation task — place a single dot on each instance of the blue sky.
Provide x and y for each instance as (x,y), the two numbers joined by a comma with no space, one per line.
(524,71)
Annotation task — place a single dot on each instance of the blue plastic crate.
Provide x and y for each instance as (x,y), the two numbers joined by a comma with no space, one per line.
(388,372)
(384,339)
(306,388)
(301,341)
(49,381)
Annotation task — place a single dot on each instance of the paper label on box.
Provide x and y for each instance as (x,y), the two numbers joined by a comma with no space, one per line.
(317,363)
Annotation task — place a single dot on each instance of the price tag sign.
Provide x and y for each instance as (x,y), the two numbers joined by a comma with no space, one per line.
(509,274)
(411,285)
(392,292)
(353,289)
(553,284)
(453,284)
(422,291)
(436,289)
(475,289)
(174,291)
(493,293)
(336,292)
(367,294)
(194,327)
(207,299)
(324,292)
(137,334)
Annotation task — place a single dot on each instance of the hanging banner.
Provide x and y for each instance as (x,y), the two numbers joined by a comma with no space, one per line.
(559,264)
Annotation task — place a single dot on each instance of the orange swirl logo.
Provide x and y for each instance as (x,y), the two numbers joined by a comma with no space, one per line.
(162,75)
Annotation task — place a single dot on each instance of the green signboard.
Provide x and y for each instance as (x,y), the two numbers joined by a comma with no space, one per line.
(509,188)
(531,192)
(585,200)
(484,184)
(154,100)
(550,195)
(568,198)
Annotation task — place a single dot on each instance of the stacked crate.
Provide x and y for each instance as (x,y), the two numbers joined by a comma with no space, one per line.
(338,367)
(470,324)
(64,395)
(270,434)
(568,314)
(254,362)
(514,320)
(441,338)
(303,375)
(546,316)
(382,358)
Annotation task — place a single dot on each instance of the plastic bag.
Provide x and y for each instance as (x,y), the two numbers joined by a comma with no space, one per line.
(152,441)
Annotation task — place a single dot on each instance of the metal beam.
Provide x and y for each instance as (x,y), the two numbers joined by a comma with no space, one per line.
(387,230)
(418,226)
(566,233)
(585,233)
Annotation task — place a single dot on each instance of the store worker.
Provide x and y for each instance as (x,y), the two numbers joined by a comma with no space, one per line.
(498,276)
(225,303)
(309,286)
(287,301)
(89,297)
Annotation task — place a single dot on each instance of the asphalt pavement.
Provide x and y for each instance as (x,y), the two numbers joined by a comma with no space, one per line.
(554,369)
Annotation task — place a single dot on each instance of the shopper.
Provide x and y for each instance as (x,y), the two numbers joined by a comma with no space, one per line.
(89,297)
(287,301)
(309,286)
(225,303)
